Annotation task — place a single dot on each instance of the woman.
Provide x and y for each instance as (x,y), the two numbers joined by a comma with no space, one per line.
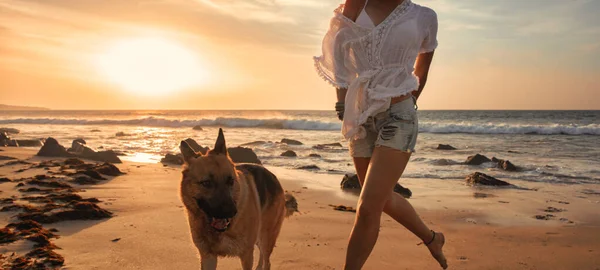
(377,54)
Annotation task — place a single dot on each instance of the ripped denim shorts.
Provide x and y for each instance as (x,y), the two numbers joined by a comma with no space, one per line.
(396,128)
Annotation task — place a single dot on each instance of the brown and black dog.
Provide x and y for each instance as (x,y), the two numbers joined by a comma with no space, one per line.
(231,207)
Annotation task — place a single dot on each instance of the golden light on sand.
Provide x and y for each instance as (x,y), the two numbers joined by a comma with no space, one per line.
(151,66)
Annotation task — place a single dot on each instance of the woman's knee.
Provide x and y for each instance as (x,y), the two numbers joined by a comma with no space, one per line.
(370,210)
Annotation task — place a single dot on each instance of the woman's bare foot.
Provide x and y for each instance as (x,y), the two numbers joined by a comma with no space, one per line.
(435,248)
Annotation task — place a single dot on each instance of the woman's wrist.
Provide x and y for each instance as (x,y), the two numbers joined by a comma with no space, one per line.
(339,109)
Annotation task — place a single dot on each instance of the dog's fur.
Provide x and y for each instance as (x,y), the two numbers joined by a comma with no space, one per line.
(213,188)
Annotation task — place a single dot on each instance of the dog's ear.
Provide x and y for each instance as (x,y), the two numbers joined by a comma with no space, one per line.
(220,147)
(187,151)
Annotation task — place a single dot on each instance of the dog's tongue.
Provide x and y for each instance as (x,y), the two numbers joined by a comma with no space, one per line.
(220,224)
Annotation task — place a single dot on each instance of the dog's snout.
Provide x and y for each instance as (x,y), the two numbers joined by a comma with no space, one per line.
(226,210)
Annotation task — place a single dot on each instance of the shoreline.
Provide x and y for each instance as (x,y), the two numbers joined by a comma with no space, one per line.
(482,232)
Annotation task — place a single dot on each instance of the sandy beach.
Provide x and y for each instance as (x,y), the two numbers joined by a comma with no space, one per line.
(486,228)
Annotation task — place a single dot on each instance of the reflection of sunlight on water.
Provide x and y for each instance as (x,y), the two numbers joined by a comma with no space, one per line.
(142,158)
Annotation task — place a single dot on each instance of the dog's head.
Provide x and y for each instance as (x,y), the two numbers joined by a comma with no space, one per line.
(210,184)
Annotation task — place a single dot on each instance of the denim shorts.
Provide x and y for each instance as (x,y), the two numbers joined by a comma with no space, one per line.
(395,128)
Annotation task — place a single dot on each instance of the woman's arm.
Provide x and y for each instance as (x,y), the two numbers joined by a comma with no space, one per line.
(422,70)
(352,8)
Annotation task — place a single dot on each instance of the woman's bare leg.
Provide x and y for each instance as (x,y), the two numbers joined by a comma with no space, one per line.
(388,164)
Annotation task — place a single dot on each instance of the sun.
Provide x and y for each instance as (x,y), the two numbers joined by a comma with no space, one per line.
(151,66)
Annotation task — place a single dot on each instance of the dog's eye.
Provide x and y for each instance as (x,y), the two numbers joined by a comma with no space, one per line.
(230,180)
(207,184)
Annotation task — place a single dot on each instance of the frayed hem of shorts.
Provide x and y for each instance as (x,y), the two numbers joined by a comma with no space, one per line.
(408,151)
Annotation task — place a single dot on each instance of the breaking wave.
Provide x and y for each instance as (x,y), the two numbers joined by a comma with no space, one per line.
(311,124)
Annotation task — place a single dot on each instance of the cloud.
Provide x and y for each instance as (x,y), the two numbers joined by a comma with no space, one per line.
(590,47)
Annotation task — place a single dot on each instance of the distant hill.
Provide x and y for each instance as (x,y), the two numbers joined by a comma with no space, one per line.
(21,108)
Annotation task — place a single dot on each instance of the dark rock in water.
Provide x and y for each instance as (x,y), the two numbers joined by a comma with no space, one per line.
(5,140)
(508,166)
(314,155)
(6,158)
(444,162)
(4,136)
(289,153)
(52,148)
(477,159)
(243,155)
(253,143)
(9,130)
(76,144)
(405,192)
(195,146)
(350,183)
(504,164)
(29,143)
(107,156)
(484,179)
(74,161)
(121,134)
(445,147)
(172,159)
(83,151)
(327,145)
(291,142)
(95,130)
(309,167)
(198,127)
(4,180)
(108,169)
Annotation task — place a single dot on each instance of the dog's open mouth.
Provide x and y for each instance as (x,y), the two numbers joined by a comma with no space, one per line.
(219,224)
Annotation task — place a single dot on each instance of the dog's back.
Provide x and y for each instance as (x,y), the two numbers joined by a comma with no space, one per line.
(267,184)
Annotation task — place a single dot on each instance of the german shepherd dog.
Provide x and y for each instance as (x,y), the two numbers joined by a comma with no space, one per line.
(231,207)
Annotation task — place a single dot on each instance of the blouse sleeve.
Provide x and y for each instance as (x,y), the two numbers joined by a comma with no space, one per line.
(430,42)
(331,64)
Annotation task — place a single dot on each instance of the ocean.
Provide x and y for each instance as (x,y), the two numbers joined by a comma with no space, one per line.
(557,147)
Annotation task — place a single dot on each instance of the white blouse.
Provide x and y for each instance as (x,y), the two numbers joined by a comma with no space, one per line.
(375,63)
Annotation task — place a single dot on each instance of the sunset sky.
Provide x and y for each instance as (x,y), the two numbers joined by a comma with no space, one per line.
(257,54)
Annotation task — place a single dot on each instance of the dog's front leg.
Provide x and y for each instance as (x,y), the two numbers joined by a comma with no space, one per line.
(208,262)
(247,260)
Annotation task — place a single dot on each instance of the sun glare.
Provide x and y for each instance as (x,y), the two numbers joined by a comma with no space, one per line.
(151,66)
